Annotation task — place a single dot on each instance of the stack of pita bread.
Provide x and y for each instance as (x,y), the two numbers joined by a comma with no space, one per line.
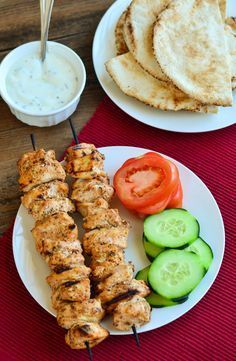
(176,54)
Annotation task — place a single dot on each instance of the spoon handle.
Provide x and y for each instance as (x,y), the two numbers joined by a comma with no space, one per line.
(46,11)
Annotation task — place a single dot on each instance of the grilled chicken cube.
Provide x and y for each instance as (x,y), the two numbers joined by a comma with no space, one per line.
(104,259)
(75,291)
(53,189)
(107,253)
(83,158)
(113,292)
(30,158)
(78,335)
(91,190)
(72,313)
(63,259)
(112,296)
(76,274)
(56,301)
(54,229)
(141,286)
(79,151)
(85,208)
(102,218)
(71,291)
(82,184)
(41,209)
(100,271)
(90,175)
(114,235)
(134,312)
(137,287)
(121,273)
(39,167)
(58,226)
(48,247)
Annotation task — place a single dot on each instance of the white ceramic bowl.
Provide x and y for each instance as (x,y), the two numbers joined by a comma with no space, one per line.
(53,117)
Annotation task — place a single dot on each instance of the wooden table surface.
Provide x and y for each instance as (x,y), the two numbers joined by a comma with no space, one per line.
(73,23)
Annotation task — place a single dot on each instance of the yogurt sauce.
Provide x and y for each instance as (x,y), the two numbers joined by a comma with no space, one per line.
(40,87)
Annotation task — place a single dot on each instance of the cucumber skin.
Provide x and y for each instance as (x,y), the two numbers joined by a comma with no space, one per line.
(143,274)
(206,265)
(157,301)
(177,246)
(150,256)
(151,259)
(180,300)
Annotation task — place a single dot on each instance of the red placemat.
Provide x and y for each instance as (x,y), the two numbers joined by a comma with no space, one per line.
(207,332)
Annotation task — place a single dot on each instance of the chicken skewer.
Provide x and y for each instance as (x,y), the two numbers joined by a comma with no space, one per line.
(102,233)
(56,236)
(105,240)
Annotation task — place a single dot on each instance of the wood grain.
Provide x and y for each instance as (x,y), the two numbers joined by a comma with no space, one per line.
(73,23)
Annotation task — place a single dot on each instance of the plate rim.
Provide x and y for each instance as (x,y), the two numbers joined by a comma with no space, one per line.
(123,107)
(219,264)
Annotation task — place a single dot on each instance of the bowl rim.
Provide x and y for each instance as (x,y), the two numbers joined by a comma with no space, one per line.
(5,96)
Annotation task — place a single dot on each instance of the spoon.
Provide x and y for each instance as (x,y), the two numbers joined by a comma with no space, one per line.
(46,11)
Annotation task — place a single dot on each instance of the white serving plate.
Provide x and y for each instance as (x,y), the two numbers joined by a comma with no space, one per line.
(182,121)
(197,199)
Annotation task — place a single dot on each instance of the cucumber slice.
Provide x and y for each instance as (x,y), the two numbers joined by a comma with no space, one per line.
(143,274)
(171,228)
(151,250)
(158,301)
(155,300)
(175,273)
(203,250)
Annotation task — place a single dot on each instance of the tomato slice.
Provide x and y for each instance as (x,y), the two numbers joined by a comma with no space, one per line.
(148,154)
(176,200)
(145,181)
(128,161)
(155,208)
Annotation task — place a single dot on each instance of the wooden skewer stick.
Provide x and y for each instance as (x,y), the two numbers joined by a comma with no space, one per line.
(74,132)
(136,335)
(33,141)
(89,351)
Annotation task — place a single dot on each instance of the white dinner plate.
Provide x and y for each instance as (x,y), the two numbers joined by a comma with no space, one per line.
(197,199)
(182,121)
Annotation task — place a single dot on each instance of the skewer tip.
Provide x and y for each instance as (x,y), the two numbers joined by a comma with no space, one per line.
(136,336)
(33,141)
(89,351)
(74,132)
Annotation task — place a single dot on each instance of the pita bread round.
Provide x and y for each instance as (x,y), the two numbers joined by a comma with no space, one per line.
(137,83)
(190,46)
(231,42)
(138,33)
(121,47)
